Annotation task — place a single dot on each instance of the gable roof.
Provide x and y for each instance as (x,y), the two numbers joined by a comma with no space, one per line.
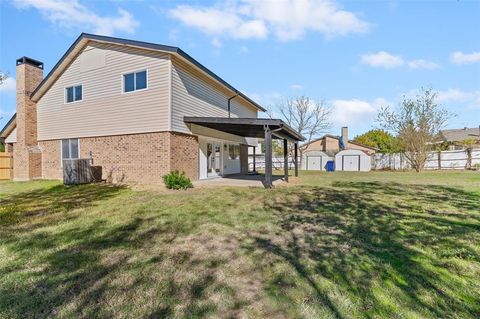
(337,138)
(8,128)
(457,135)
(85,38)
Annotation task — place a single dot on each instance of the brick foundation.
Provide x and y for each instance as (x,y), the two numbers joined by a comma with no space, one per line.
(142,158)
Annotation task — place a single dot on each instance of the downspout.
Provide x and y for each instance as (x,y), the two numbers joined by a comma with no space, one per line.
(229,99)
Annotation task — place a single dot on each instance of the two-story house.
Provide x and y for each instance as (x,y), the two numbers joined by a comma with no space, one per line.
(139,110)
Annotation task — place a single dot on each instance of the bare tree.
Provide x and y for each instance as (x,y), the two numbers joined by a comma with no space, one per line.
(3,77)
(310,118)
(468,144)
(416,122)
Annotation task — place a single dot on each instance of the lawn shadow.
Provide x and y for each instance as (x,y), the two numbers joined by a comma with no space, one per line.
(94,267)
(357,236)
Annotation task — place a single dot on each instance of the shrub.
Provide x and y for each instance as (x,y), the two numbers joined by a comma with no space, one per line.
(177,180)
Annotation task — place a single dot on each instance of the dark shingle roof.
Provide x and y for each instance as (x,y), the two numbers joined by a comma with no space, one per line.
(457,135)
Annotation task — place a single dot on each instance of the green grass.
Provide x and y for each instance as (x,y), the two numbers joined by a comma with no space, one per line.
(351,245)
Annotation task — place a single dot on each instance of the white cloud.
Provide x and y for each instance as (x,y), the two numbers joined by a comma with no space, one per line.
(296,86)
(470,98)
(284,19)
(356,112)
(465,58)
(71,14)
(422,64)
(383,59)
(8,85)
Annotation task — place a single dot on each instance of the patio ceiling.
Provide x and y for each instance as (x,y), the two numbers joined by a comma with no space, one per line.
(248,127)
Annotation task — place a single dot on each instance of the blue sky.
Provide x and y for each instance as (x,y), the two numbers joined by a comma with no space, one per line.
(355,55)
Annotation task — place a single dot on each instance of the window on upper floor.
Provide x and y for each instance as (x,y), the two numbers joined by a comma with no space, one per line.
(73,94)
(70,148)
(134,81)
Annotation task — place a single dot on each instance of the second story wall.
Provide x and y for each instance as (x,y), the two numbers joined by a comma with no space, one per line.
(105,109)
(194,94)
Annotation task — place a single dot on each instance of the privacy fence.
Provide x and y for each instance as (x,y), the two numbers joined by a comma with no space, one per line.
(277,162)
(436,160)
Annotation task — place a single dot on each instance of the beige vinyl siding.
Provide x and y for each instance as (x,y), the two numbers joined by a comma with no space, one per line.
(12,137)
(194,94)
(105,109)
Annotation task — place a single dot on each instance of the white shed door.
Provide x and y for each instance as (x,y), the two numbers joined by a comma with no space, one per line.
(314,163)
(351,163)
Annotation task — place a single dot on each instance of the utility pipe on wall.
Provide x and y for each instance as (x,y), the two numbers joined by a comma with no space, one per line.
(229,103)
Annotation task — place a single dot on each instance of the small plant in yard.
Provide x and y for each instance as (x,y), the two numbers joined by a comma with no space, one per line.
(177,180)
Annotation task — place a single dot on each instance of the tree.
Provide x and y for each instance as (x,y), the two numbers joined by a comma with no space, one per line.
(309,118)
(381,140)
(3,77)
(416,122)
(468,143)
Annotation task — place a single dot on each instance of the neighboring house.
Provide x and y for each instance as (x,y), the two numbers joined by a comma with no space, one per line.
(330,144)
(139,110)
(8,135)
(454,137)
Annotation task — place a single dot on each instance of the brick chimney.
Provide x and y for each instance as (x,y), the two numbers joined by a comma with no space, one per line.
(345,136)
(27,155)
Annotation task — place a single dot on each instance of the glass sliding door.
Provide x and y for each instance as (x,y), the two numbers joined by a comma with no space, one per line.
(214,159)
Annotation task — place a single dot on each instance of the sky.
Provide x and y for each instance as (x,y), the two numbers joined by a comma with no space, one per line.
(356,56)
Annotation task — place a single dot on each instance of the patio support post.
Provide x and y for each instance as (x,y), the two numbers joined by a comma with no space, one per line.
(285,159)
(268,157)
(296,159)
(254,158)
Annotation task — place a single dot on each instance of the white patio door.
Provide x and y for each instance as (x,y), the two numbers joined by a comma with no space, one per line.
(214,159)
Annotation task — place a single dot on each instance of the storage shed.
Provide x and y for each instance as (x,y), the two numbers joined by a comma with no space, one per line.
(353,161)
(315,160)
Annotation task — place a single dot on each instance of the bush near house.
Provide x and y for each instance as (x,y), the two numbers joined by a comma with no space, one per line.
(177,180)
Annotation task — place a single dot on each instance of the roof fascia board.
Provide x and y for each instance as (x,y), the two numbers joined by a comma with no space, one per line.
(9,127)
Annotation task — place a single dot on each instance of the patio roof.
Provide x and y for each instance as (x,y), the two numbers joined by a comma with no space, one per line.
(260,128)
(248,127)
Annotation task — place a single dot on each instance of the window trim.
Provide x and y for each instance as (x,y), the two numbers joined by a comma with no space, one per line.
(65,93)
(134,81)
(61,149)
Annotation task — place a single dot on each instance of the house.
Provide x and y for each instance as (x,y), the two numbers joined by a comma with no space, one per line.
(331,144)
(139,110)
(454,137)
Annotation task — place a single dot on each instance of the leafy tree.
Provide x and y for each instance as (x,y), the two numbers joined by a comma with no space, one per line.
(416,122)
(381,140)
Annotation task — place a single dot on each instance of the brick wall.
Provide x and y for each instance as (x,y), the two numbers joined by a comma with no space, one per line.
(184,154)
(141,158)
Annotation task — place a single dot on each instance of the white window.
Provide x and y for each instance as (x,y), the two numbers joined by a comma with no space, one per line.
(135,81)
(70,148)
(73,93)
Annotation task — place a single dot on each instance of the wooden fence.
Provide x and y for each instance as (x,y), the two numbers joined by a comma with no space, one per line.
(6,166)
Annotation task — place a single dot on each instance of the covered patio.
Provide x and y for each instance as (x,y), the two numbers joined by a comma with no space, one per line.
(267,129)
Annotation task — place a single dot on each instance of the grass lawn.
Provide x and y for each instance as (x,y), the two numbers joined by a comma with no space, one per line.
(351,245)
